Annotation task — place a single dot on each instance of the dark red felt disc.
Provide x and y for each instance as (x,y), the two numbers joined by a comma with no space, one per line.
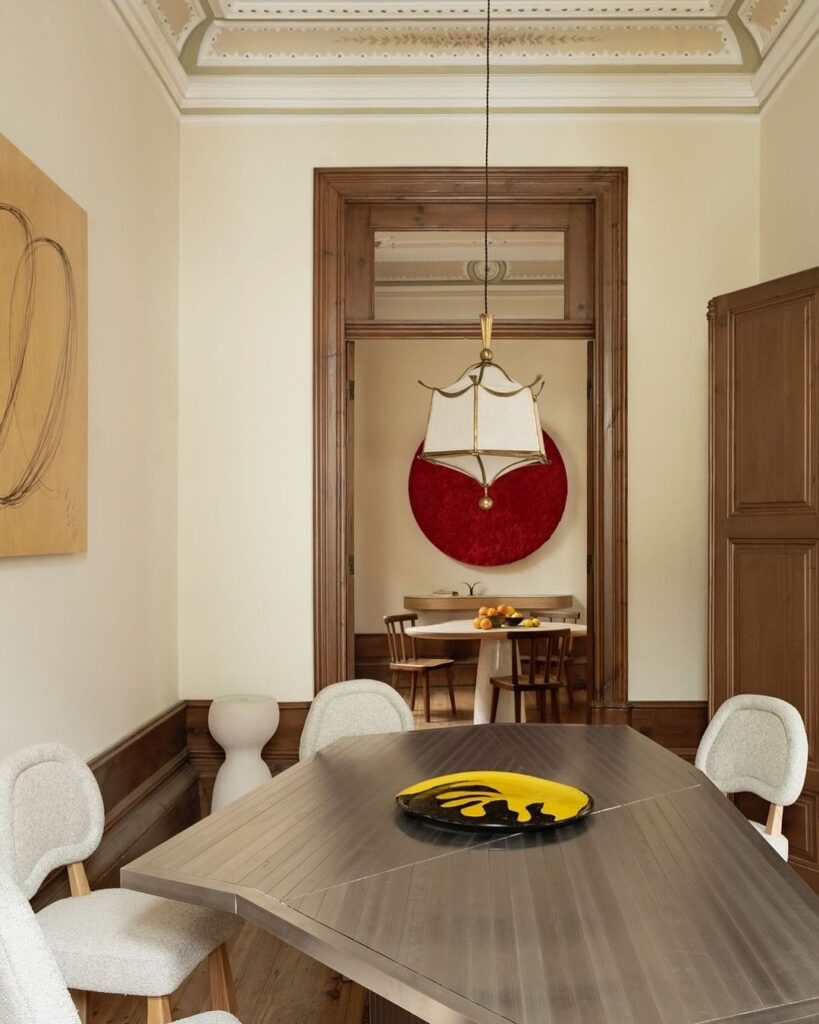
(529,503)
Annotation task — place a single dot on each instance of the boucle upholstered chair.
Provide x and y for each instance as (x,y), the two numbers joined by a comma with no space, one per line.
(112,940)
(31,988)
(354,708)
(757,744)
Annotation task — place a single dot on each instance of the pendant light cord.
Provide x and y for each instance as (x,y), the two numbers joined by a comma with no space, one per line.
(486,169)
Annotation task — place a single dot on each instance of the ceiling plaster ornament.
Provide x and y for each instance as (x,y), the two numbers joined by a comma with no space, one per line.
(177,18)
(394,10)
(765,19)
(439,86)
(654,42)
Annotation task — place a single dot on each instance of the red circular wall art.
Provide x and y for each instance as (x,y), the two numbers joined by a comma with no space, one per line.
(529,503)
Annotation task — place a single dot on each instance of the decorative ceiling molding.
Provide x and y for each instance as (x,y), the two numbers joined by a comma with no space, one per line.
(327,84)
(579,43)
(765,19)
(794,39)
(178,18)
(414,93)
(391,10)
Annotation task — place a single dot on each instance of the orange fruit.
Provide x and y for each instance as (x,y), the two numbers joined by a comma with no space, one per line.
(491,612)
(486,623)
(477,622)
(483,610)
(503,609)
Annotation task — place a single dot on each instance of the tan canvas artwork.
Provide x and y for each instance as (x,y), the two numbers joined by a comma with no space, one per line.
(43,363)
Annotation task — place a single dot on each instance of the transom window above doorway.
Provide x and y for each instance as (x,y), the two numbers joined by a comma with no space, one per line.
(421,275)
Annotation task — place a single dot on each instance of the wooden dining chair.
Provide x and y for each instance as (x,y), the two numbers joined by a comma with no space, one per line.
(543,653)
(404,658)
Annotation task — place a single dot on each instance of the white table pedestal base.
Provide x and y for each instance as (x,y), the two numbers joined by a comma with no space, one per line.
(494,659)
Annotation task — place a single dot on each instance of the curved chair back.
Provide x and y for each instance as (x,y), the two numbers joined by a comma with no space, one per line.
(756,744)
(32,990)
(354,708)
(51,813)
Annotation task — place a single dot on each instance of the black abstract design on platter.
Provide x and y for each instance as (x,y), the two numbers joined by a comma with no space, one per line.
(24,296)
(451,800)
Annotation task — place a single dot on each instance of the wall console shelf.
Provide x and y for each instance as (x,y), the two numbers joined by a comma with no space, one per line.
(468,603)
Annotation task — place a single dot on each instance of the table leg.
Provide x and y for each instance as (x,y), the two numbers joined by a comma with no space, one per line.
(494,659)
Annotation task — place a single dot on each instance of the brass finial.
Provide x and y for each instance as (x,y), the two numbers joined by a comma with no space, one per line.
(486,334)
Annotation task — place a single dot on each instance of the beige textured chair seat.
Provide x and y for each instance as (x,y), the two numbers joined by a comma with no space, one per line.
(119,941)
(779,843)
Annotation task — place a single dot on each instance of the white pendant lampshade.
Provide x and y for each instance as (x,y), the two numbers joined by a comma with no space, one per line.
(485,424)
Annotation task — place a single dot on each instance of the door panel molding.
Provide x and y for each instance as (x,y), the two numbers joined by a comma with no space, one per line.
(763,620)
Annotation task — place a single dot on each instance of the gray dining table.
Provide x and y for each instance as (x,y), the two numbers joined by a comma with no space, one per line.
(663,906)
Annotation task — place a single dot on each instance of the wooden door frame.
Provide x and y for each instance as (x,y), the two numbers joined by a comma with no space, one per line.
(606,189)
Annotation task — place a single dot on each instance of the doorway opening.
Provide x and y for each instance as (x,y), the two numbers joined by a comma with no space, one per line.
(558,261)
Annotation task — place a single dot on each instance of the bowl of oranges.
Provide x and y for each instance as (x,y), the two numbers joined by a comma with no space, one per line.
(502,616)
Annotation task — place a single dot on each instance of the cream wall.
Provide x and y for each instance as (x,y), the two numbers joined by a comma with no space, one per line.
(789,197)
(88,642)
(392,555)
(245,368)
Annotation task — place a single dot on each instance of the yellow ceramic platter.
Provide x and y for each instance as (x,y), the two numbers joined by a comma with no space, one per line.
(499,800)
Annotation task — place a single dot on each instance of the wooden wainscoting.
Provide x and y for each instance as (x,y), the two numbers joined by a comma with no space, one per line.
(149,788)
(677,725)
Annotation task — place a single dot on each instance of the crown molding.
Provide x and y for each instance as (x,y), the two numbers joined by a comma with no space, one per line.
(157,48)
(463,93)
(434,90)
(792,43)
(195,16)
(765,35)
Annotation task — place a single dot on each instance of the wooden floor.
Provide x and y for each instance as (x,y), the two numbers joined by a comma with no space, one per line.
(274,983)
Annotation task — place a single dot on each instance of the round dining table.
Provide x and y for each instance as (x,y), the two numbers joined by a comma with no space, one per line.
(494,658)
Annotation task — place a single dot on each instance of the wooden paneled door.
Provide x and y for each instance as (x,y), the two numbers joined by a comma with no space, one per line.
(764,516)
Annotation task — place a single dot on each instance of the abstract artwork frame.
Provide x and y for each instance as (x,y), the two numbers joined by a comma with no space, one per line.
(43,363)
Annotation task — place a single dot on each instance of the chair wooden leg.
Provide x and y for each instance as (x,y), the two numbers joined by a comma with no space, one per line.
(495,696)
(568,671)
(159,1010)
(413,688)
(541,704)
(425,680)
(556,704)
(450,681)
(773,826)
(82,1002)
(222,991)
(394,680)
(517,705)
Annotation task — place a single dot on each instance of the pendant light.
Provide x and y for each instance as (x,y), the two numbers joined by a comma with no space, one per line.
(485,424)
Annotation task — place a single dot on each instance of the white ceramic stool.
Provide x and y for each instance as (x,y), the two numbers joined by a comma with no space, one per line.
(241,724)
